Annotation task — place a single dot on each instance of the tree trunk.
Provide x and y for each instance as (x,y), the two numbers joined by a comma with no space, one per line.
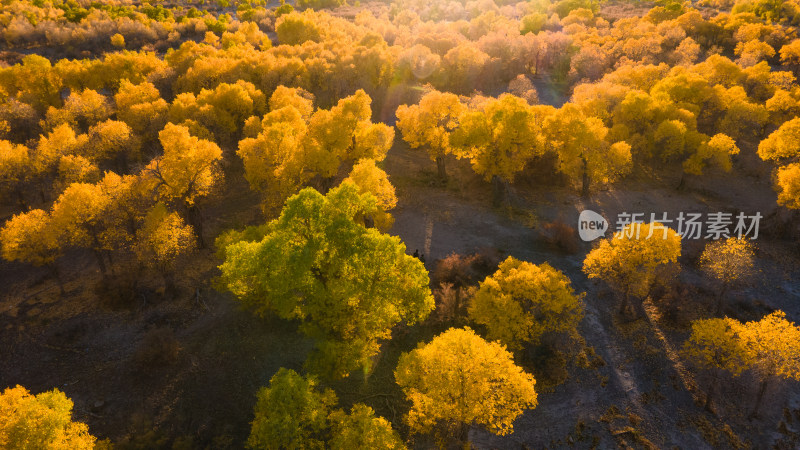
(369,221)
(623,310)
(325,184)
(682,183)
(100,261)
(196,219)
(21,200)
(710,394)
(440,168)
(586,180)
(463,436)
(721,299)
(170,290)
(759,397)
(499,191)
(53,266)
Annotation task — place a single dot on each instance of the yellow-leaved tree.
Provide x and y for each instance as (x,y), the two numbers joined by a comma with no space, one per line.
(716,151)
(142,108)
(29,237)
(788,183)
(368,177)
(729,262)
(293,144)
(583,151)
(783,147)
(631,259)
(162,241)
(186,172)
(42,421)
(499,137)
(430,123)
(14,171)
(459,380)
(78,216)
(274,156)
(715,345)
(522,302)
(773,345)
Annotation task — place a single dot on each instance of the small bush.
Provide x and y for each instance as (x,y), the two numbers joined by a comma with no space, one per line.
(159,348)
(561,236)
(463,271)
(451,304)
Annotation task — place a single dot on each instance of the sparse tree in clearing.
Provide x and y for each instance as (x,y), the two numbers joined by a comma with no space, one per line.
(730,262)
(458,380)
(188,171)
(42,421)
(118,40)
(773,344)
(630,260)
(522,302)
(715,345)
(349,285)
(430,124)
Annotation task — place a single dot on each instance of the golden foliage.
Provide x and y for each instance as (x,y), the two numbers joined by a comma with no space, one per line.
(460,379)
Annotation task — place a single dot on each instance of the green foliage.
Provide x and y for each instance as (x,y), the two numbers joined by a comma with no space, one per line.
(290,413)
(293,412)
(361,429)
(347,284)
